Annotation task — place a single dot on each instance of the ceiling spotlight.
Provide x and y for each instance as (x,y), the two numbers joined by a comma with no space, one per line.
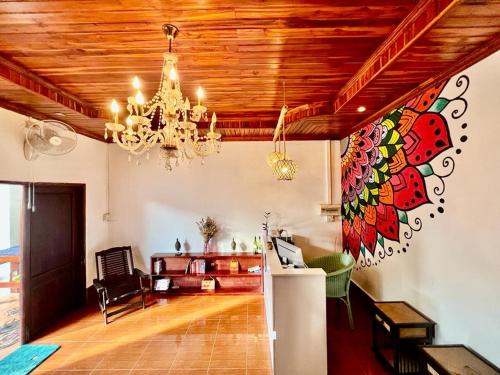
(361,109)
(60,114)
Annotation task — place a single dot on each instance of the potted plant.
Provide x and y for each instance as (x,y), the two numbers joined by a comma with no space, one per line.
(265,225)
(208,228)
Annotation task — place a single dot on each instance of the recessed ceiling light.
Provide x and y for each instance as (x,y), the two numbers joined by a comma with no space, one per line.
(60,114)
(361,109)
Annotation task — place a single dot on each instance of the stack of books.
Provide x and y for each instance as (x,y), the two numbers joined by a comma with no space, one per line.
(197,266)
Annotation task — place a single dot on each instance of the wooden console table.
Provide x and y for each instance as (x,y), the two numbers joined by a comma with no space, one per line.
(455,359)
(182,281)
(398,329)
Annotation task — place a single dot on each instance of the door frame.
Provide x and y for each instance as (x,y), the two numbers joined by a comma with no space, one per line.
(25,248)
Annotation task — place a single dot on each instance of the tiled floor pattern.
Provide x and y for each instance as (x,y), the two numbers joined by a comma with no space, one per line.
(202,335)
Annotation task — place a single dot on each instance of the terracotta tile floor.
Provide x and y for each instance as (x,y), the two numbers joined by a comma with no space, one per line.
(209,335)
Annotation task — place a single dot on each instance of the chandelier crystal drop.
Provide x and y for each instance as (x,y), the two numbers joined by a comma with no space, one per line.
(177,131)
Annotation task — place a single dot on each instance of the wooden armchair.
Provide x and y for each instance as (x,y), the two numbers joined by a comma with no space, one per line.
(117,279)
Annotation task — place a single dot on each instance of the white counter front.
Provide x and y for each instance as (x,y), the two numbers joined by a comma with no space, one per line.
(296,318)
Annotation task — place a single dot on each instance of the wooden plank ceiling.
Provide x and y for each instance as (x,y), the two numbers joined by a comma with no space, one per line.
(72,57)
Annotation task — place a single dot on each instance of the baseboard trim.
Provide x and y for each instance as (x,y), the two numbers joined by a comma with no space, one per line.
(91,294)
(365,297)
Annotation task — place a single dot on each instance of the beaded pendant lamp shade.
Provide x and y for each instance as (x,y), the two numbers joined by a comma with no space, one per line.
(273,157)
(284,169)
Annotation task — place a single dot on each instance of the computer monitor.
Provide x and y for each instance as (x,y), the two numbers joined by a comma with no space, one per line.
(292,253)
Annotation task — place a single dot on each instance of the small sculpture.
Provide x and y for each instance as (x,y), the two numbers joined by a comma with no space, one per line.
(178,247)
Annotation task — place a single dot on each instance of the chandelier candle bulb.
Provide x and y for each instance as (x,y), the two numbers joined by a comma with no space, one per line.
(172,74)
(136,83)
(139,98)
(199,94)
(115,109)
(212,124)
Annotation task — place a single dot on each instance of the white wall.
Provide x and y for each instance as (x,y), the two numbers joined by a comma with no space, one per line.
(86,164)
(151,207)
(452,270)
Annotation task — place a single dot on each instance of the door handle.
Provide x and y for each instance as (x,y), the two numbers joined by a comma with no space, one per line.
(31,197)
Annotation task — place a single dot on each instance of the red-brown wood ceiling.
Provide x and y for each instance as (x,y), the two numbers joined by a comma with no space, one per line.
(73,57)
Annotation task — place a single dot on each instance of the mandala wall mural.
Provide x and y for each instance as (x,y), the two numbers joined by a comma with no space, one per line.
(395,165)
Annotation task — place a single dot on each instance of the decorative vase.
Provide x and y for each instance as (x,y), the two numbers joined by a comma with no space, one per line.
(233,245)
(206,246)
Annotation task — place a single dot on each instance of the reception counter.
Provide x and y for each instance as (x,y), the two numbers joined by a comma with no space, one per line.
(295,302)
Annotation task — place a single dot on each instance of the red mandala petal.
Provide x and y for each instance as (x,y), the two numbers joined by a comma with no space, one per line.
(387,222)
(369,236)
(427,138)
(409,189)
(354,243)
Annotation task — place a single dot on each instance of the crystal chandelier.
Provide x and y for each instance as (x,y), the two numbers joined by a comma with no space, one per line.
(176,131)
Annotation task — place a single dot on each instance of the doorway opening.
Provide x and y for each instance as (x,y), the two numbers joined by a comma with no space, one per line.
(42,258)
(11,222)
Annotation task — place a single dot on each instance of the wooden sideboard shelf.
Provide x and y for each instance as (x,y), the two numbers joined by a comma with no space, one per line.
(183,281)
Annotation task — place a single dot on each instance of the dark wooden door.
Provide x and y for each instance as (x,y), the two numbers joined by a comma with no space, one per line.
(54,256)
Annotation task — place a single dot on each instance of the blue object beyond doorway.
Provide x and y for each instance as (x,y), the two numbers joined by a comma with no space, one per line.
(26,358)
(11,216)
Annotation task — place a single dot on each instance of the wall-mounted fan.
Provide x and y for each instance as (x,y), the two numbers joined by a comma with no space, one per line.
(48,137)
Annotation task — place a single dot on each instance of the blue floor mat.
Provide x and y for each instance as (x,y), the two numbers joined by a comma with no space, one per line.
(26,358)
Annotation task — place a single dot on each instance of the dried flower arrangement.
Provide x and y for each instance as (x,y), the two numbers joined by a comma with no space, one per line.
(208,228)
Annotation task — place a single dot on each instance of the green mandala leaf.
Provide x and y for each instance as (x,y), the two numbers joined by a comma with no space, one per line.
(380,239)
(438,105)
(403,217)
(425,169)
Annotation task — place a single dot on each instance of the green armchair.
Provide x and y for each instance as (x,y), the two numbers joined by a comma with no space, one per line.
(338,268)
